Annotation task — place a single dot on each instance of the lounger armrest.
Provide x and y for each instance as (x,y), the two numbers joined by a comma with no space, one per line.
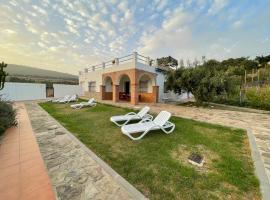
(148,116)
(145,120)
(131,113)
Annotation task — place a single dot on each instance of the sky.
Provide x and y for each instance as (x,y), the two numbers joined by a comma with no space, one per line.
(69,35)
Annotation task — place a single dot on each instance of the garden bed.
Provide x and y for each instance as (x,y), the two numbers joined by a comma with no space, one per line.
(158,164)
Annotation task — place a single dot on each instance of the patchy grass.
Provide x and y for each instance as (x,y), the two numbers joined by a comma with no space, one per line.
(157,166)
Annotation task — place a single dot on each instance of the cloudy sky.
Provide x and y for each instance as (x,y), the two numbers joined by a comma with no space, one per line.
(68,35)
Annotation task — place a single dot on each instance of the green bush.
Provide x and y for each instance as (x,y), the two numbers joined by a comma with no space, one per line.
(7,115)
(258,97)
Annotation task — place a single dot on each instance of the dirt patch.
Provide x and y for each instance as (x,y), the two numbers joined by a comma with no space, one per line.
(182,152)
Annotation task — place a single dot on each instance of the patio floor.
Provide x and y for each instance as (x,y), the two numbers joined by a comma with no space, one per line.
(23,174)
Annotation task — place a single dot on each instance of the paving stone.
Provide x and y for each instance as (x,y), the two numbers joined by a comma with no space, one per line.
(73,173)
(52,127)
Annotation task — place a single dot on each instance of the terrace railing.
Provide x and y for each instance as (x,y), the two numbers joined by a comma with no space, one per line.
(131,58)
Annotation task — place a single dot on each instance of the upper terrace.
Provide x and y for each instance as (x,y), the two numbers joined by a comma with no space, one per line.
(134,60)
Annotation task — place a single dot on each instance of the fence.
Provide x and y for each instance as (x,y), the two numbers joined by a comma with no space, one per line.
(23,91)
(135,57)
(34,91)
(61,90)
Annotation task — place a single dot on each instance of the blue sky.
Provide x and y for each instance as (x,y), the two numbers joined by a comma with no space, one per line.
(70,35)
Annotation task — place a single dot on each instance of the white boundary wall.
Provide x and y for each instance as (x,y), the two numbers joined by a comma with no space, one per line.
(61,90)
(23,91)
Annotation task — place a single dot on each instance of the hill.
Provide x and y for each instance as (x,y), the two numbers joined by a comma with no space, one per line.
(20,73)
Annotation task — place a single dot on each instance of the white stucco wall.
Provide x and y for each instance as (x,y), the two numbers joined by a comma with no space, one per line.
(96,76)
(61,90)
(23,91)
(160,82)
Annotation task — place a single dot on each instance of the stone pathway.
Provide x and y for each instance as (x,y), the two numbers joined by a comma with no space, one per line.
(73,173)
(258,123)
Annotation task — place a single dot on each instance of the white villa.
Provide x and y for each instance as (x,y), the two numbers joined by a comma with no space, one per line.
(131,78)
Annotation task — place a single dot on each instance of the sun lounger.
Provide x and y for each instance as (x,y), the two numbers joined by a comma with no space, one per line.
(72,98)
(90,103)
(144,126)
(61,99)
(131,116)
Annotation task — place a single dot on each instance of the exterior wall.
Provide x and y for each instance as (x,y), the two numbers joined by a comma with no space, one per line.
(61,90)
(160,83)
(96,76)
(134,70)
(23,91)
(95,95)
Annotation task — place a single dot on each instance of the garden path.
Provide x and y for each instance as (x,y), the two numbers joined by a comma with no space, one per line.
(75,171)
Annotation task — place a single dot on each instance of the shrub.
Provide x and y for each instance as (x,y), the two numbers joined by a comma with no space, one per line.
(258,97)
(7,115)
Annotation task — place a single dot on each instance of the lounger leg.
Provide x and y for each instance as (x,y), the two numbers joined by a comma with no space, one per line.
(137,138)
(169,131)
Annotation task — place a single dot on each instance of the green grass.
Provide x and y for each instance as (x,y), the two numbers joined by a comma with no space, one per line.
(157,166)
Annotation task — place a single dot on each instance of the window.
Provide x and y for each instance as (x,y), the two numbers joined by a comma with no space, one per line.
(92,86)
(143,86)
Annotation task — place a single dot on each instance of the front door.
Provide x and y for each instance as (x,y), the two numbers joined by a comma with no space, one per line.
(127,87)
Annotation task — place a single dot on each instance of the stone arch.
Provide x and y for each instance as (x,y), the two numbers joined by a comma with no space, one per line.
(108,83)
(146,83)
(124,81)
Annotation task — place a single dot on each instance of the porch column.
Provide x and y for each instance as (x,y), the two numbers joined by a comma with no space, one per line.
(155,93)
(134,96)
(102,92)
(115,93)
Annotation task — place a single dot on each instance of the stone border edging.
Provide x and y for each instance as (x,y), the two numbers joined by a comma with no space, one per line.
(259,166)
(132,191)
(242,109)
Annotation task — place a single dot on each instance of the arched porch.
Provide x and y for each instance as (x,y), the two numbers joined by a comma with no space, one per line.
(132,86)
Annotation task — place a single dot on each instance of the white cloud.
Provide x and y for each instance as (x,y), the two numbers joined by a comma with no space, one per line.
(40,10)
(217,6)
(9,31)
(171,38)
(114,18)
(238,24)
(161,4)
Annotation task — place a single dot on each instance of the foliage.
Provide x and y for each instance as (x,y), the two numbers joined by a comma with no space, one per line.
(167,62)
(156,165)
(7,115)
(258,97)
(204,82)
(225,81)
(262,60)
(3,75)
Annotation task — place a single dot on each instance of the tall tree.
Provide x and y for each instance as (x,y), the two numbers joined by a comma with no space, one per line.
(167,62)
(3,75)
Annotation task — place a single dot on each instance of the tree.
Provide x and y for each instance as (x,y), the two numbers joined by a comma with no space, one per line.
(3,75)
(262,60)
(204,81)
(167,62)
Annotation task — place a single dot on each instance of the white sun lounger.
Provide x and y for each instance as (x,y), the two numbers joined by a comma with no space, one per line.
(131,116)
(146,125)
(61,99)
(72,98)
(90,103)
(68,99)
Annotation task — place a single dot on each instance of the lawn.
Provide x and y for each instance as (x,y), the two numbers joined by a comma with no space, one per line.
(157,165)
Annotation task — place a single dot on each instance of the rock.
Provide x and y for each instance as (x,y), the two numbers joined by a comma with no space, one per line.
(52,127)
(90,191)
(55,162)
(59,132)
(69,192)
